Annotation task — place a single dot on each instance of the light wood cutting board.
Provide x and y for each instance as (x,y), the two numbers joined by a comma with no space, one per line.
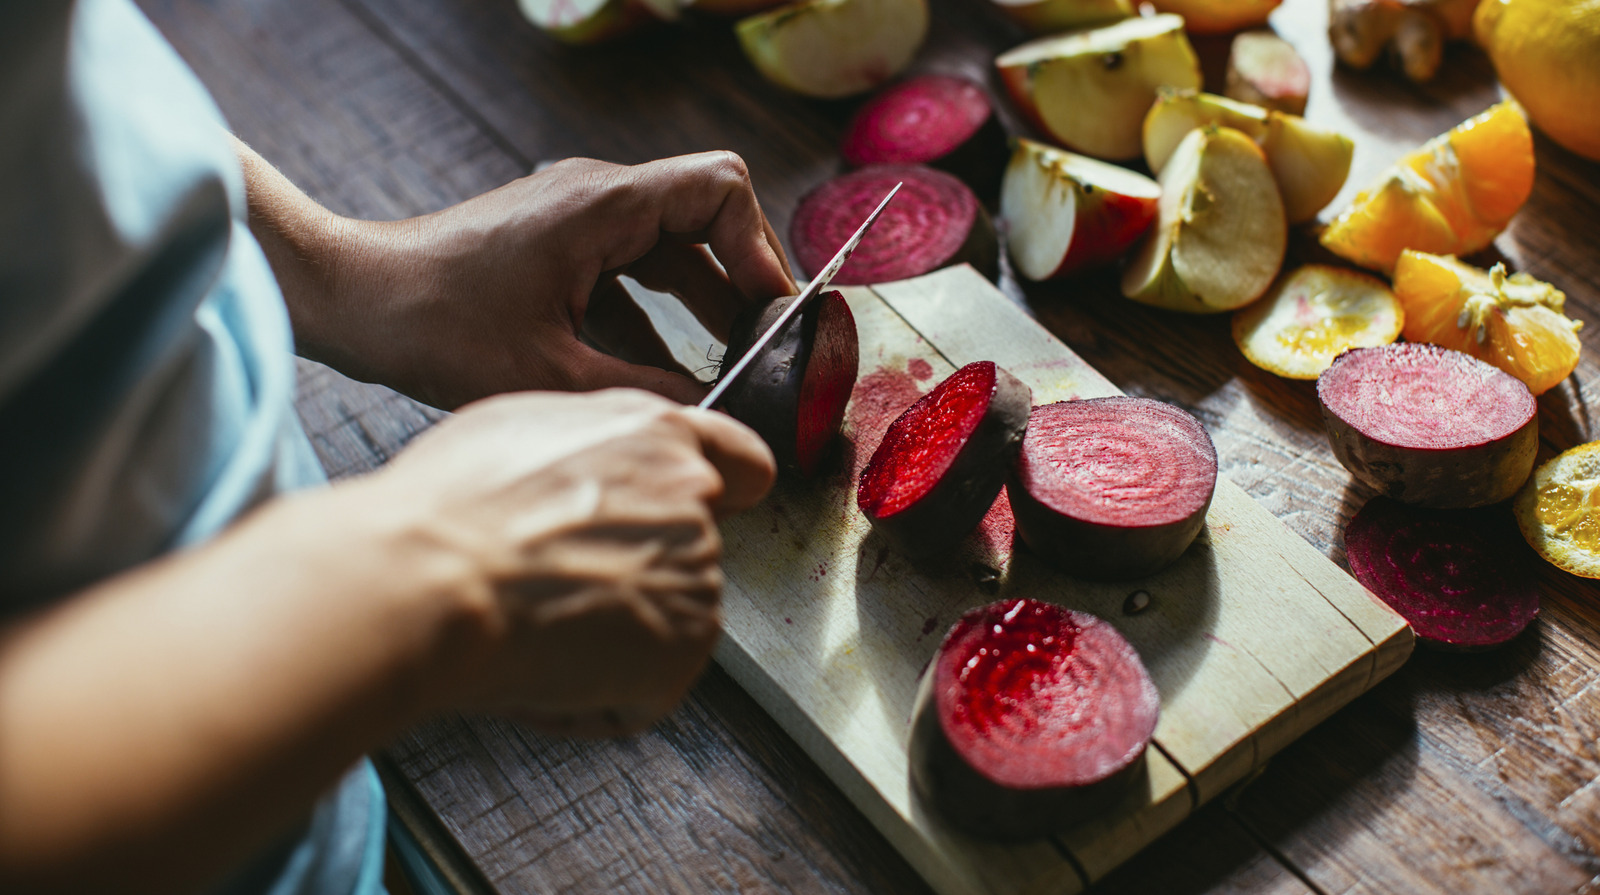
(1252,637)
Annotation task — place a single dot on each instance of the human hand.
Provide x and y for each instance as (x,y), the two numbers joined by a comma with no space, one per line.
(492,294)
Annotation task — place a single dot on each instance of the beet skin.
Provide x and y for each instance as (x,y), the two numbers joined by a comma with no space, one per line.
(1032,717)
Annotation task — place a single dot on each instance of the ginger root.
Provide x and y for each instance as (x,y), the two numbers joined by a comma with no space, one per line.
(1413,31)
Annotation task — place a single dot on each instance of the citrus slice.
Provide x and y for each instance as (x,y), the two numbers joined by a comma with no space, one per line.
(1452,196)
(1314,314)
(1514,322)
(1558,510)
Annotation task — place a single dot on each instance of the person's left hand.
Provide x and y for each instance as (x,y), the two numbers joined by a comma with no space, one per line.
(492,294)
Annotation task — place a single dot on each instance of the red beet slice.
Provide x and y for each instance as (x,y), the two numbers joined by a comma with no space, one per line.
(1428,425)
(1032,717)
(1112,488)
(794,394)
(1461,578)
(935,221)
(943,461)
(937,120)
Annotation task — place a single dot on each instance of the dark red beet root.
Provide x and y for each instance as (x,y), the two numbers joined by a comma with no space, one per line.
(942,462)
(794,394)
(1031,718)
(935,221)
(1428,425)
(1461,578)
(937,120)
(1112,488)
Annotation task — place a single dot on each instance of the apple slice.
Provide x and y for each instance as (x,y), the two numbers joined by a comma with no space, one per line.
(1310,164)
(1068,212)
(1050,16)
(834,48)
(1265,69)
(1221,234)
(592,21)
(1090,90)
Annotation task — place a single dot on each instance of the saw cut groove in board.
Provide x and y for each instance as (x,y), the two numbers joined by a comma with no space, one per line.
(1252,637)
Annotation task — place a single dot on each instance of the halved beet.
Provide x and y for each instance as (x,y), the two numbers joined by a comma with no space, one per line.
(942,462)
(1428,425)
(1032,717)
(1461,578)
(935,221)
(939,120)
(1112,488)
(795,392)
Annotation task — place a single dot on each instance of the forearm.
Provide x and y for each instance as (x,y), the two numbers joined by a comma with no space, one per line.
(164,725)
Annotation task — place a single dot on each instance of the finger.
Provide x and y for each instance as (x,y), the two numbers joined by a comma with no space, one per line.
(777,248)
(591,370)
(740,456)
(615,323)
(690,273)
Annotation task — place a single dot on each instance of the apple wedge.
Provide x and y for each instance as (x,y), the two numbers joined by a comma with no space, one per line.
(1050,16)
(1220,235)
(1266,70)
(1090,90)
(834,48)
(582,22)
(1310,164)
(1068,212)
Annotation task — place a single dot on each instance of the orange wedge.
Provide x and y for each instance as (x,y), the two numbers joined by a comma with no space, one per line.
(1513,322)
(1452,196)
(1558,510)
(1313,315)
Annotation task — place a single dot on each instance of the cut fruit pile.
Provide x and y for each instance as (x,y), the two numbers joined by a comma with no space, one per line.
(1313,315)
(1558,510)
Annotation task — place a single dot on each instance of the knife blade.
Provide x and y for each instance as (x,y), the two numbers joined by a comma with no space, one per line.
(812,290)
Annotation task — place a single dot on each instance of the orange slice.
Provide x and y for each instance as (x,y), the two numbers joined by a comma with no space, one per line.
(1513,322)
(1313,315)
(1452,196)
(1558,510)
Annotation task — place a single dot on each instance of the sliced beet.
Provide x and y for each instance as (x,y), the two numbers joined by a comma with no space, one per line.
(1461,578)
(939,120)
(1112,488)
(943,461)
(794,394)
(935,221)
(1032,717)
(1428,425)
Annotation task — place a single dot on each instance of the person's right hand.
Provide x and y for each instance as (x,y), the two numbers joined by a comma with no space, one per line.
(583,528)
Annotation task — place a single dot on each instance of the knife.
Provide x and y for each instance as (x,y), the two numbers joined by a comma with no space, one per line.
(812,290)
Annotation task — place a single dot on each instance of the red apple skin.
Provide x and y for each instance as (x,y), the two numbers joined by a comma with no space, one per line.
(1017,84)
(1108,224)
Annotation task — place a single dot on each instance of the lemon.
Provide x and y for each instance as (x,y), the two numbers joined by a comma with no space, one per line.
(1546,53)
(1558,510)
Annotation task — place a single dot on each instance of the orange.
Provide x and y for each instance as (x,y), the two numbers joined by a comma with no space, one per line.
(1313,315)
(1513,322)
(1558,510)
(1545,52)
(1452,196)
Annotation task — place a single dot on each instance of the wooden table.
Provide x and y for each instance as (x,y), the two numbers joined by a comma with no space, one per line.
(1462,773)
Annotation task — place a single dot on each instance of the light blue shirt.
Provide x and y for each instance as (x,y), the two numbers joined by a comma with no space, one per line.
(146,362)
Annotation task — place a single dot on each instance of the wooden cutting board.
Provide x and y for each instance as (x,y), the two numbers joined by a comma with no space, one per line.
(1252,637)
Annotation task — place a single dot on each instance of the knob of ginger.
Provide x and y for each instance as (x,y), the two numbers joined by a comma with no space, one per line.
(1413,32)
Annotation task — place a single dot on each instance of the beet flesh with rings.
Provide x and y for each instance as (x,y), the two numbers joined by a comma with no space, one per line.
(794,393)
(939,120)
(941,464)
(935,221)
(1112,488)
(1461,577)
(1428,425)
(1032,717)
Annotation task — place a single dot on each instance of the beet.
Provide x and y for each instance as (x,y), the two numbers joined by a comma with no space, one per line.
(942,463)
(1461,578)
(795,392)
(1428,425)
(934,222)
(1112,488)
(937,120)
(1031,718)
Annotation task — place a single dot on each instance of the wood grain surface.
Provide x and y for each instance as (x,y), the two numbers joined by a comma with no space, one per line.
(1475,773)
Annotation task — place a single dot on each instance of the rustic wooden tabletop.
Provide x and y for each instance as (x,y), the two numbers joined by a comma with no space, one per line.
(1460,774)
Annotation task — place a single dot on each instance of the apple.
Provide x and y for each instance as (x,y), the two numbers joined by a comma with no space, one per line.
(834,48)
(1219,16)
(592,21)
(1068,212)
(1265,70)
(1050,16)
(1309,163)
(1090,90)
(1220,234)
